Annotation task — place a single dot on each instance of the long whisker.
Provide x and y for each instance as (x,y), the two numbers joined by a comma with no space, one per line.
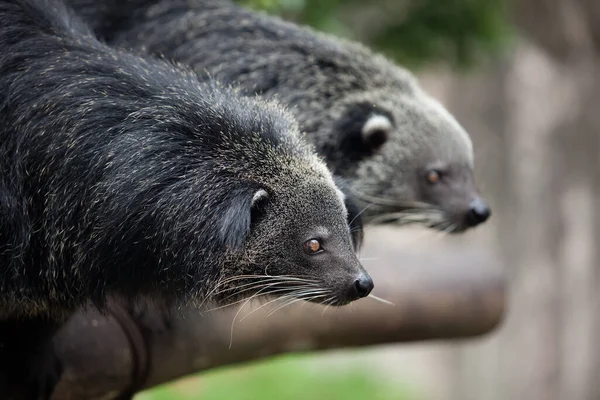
(444,228)
(279,298)
(379,299)
(306,295)
(284,305)
(247,277)
(216,291)
(408,217)
(450,228)
(389,202)
(238,313)
(329,301)
(237,301)
(295,291)
(295,294)
(358,215)
(287,277)
(453,227)
(252,284)
(303,293)
(265,278)
(420,210)
(312,299)
(257,286)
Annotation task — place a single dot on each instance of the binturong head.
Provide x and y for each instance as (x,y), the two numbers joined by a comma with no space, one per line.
(298,246)
(420,166)
(292,239)
(284,223)
(408,159)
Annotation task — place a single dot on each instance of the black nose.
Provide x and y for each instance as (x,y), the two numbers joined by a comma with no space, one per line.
(363,286)
(478,212)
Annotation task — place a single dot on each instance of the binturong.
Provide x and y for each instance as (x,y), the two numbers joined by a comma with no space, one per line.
(125,176)
(406,158)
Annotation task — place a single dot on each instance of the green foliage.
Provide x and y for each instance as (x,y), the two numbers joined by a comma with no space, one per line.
(458,32)
(285,378)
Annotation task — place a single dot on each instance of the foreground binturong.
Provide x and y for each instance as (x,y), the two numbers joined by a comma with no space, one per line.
(406,157)
(126,176)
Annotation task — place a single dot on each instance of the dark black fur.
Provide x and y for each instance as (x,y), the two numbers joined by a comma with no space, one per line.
(333,87)
(29,368)
(125,176)
(109,19)
(77,126)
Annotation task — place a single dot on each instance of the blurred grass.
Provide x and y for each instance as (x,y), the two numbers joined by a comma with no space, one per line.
(283,378)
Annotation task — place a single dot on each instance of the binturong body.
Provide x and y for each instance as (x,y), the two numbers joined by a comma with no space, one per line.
(407,159)
(126,176)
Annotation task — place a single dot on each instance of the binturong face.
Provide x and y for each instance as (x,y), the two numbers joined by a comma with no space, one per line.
(298,247)
(411,162)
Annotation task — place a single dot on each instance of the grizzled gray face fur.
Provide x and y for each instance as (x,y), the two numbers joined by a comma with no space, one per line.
(410,161)
(298,247)
(406,158)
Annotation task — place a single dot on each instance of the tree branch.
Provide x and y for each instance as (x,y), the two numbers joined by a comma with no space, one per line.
(437,296)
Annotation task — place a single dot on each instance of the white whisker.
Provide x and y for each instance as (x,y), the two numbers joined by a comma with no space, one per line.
(262,284)
(235,302)
(297,294)
(284,305)
(384,301)
(389,202)
(358,215)
(264,279)
(313,298)
(279,298)
(327,303)
(238,313)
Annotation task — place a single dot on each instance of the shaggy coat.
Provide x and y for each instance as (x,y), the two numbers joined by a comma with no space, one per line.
(405,156)
(126,176)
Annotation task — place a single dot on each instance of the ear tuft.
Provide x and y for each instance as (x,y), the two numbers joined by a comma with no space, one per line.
(236,220)
(361,131)
(259,196)
(376,131)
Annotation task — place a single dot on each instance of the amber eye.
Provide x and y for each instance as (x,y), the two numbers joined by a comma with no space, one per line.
(312,246)
(433,176)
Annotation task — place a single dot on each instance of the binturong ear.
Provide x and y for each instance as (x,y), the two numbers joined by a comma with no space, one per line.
(363,129)
(355,223)
(241,209)
(376,131)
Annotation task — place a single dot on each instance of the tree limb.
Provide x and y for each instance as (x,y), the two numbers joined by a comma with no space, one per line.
(437,296)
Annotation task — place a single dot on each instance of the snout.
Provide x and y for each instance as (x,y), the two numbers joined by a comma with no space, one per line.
(360,287)
(478,212)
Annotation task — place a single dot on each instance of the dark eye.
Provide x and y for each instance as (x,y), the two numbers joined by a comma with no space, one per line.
(313,246)
(434,176)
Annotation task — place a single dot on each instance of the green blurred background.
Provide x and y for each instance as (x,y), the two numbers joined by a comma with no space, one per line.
(459,34)
(285,378)
(414,32)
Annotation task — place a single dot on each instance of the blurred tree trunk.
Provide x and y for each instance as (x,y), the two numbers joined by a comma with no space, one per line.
(535,121)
